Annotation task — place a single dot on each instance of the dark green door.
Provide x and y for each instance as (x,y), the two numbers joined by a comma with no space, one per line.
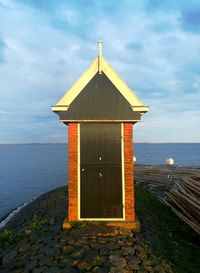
(100,171)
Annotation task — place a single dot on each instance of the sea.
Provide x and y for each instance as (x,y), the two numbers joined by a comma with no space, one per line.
(28,170)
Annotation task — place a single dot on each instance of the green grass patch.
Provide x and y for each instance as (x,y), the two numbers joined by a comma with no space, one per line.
(168,236)
(37,224)
(8,238)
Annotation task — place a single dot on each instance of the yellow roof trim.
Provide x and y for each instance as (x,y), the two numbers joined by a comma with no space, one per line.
(74,91)
(64,103)
(101,120)
(122,87)
(142,109)
(58,108)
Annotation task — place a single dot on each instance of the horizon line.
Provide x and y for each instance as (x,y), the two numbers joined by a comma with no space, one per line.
(144,142)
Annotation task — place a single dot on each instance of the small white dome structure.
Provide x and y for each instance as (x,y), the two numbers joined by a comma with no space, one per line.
(134,159)
(170,161)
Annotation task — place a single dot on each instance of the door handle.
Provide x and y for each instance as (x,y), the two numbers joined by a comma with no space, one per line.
(100,174)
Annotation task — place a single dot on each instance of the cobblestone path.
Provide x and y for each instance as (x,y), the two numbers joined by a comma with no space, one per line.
(97,249)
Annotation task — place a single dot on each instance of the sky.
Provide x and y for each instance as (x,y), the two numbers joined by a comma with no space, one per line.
(45,45)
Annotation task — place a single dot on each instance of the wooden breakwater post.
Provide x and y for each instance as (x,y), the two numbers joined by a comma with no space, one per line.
(100,111)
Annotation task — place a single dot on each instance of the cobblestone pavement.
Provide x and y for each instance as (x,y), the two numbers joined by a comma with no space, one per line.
(85,248)
(97,249)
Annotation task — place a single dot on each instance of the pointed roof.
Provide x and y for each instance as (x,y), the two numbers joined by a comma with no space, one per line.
(100,65)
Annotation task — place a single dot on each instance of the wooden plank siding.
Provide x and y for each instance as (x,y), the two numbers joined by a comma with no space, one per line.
(99,100)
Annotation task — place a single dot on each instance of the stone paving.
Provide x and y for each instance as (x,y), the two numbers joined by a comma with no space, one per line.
(84,248)
(96,249)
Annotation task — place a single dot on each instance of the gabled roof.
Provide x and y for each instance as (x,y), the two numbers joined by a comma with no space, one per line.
(100,65)
(99,101)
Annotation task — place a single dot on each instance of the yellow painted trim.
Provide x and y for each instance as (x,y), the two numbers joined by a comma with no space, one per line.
(74,91)
(100,64)
(123,88)
(79,171)
(123,180)
(142,109)
(102,120)
(101,219)
(59,108)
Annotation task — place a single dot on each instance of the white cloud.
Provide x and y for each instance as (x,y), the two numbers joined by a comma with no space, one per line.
(43,59)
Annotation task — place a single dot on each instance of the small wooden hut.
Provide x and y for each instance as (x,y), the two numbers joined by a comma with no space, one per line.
(100,111)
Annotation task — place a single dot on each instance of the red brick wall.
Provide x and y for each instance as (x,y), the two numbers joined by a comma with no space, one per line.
(72,172)
(128,172)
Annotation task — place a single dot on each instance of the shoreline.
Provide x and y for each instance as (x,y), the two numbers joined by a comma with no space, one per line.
(5,220)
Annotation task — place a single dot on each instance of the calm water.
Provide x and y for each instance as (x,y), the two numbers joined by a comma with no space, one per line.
(26,171)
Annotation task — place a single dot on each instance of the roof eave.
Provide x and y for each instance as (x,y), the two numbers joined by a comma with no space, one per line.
(59,108)
(142,109)
(64,103)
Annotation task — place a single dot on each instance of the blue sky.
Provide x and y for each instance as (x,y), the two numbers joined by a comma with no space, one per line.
(45,45)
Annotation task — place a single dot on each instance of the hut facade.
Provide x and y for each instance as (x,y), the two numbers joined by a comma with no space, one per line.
(100,111)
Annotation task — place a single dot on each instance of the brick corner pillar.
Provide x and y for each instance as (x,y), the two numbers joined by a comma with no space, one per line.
(128,173)
(72,172)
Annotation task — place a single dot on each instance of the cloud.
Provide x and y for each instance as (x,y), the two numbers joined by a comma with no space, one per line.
(46,45)
(2,49)
(135,45)
(191,20)
(188,13)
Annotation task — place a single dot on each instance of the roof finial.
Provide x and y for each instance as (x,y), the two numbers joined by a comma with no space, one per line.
(100,56)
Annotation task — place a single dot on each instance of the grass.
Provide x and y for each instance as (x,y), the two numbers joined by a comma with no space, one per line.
(37,224)
(9,238)
(168,236)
